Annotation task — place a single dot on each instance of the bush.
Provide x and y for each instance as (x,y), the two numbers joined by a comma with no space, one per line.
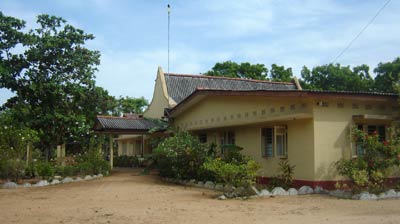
(92,162)
(285,177)
(45,170)
(181,156)
(12,169)
(241,174)
(126,161)
(369,170)
(30,171)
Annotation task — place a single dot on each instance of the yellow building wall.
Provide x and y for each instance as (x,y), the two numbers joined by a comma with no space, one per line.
(318,136)
(246,116)
(332,130)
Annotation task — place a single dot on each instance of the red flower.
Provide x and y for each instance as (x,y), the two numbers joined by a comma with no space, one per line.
(385,143)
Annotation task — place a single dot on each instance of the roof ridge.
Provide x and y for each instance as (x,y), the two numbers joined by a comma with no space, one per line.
(228,78)
(115,117)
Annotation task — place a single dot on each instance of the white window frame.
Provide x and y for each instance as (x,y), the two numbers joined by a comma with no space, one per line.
(278,130)
(353,145)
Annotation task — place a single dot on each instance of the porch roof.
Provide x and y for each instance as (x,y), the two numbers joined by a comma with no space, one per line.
(123,125)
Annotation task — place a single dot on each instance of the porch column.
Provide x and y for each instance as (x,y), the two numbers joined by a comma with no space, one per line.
(142,146)
(111,151)
(100,143)
(28,153)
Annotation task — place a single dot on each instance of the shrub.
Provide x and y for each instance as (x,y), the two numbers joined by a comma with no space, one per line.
(92,162)
(45,169)
(12,169)
(237,174)
(181,156)
(369,170)
(285,177)
(126,161)
(30,171)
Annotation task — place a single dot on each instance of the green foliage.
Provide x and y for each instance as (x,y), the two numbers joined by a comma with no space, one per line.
(14,137)
(235,70)
(369,170)
(280,74)
(92,162)
(181,156)
(12,169)
(388,76)
(45,169)
(126,161)
(51,77)
(30,171)
(286,172)
(337,77)
(236,174)
(131,105)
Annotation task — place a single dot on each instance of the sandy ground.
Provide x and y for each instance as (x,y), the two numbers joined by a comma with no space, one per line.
(126,197)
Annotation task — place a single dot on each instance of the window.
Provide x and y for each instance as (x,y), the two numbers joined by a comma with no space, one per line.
(203,137)
(370,130)
(228,138)
(274,141)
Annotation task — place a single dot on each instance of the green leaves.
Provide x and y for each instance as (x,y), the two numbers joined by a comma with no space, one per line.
(53,78)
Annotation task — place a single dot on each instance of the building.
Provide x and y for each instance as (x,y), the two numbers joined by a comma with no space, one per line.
(273,120)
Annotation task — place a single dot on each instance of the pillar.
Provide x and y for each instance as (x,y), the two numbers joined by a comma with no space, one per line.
(111,151)
(28,153)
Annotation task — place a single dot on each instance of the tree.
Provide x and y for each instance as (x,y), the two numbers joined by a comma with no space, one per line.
(243,70)
(387,76)
(337,77)
(131,105)
(51,78)
(280,74)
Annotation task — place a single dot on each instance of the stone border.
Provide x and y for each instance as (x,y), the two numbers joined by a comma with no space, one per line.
(232,192)
(55,180)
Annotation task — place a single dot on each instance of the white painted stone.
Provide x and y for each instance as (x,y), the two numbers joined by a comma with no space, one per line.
(10,185)
(373,197)
(200,184)
(100,175)
(41,183)
(57,177)
(391,193)
(219,187)
(209,185)
(222,197)
(265,192)
(27,185)
(398,194)
(78,179)
(293,191)
(55,181)
(94,176)
(364,196)
(67,180)
(356,197)
(305,190)
(279,191)
(88,177)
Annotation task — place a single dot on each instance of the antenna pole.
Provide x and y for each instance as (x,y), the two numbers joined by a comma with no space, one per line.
(169,12)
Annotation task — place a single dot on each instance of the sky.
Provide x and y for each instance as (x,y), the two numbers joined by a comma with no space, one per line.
(132,35)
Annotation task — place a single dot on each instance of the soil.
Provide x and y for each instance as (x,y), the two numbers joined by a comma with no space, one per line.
(128,197)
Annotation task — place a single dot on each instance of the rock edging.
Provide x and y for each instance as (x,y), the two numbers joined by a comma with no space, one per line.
(55,180)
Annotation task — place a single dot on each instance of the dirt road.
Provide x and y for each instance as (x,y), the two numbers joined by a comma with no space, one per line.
(126,197)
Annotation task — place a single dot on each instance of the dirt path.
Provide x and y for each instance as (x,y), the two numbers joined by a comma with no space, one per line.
(126,197)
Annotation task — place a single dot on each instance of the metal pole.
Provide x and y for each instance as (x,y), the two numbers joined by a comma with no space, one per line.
(169,12)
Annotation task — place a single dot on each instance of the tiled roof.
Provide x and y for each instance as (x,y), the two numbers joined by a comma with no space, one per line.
(105,123)
(181,86)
